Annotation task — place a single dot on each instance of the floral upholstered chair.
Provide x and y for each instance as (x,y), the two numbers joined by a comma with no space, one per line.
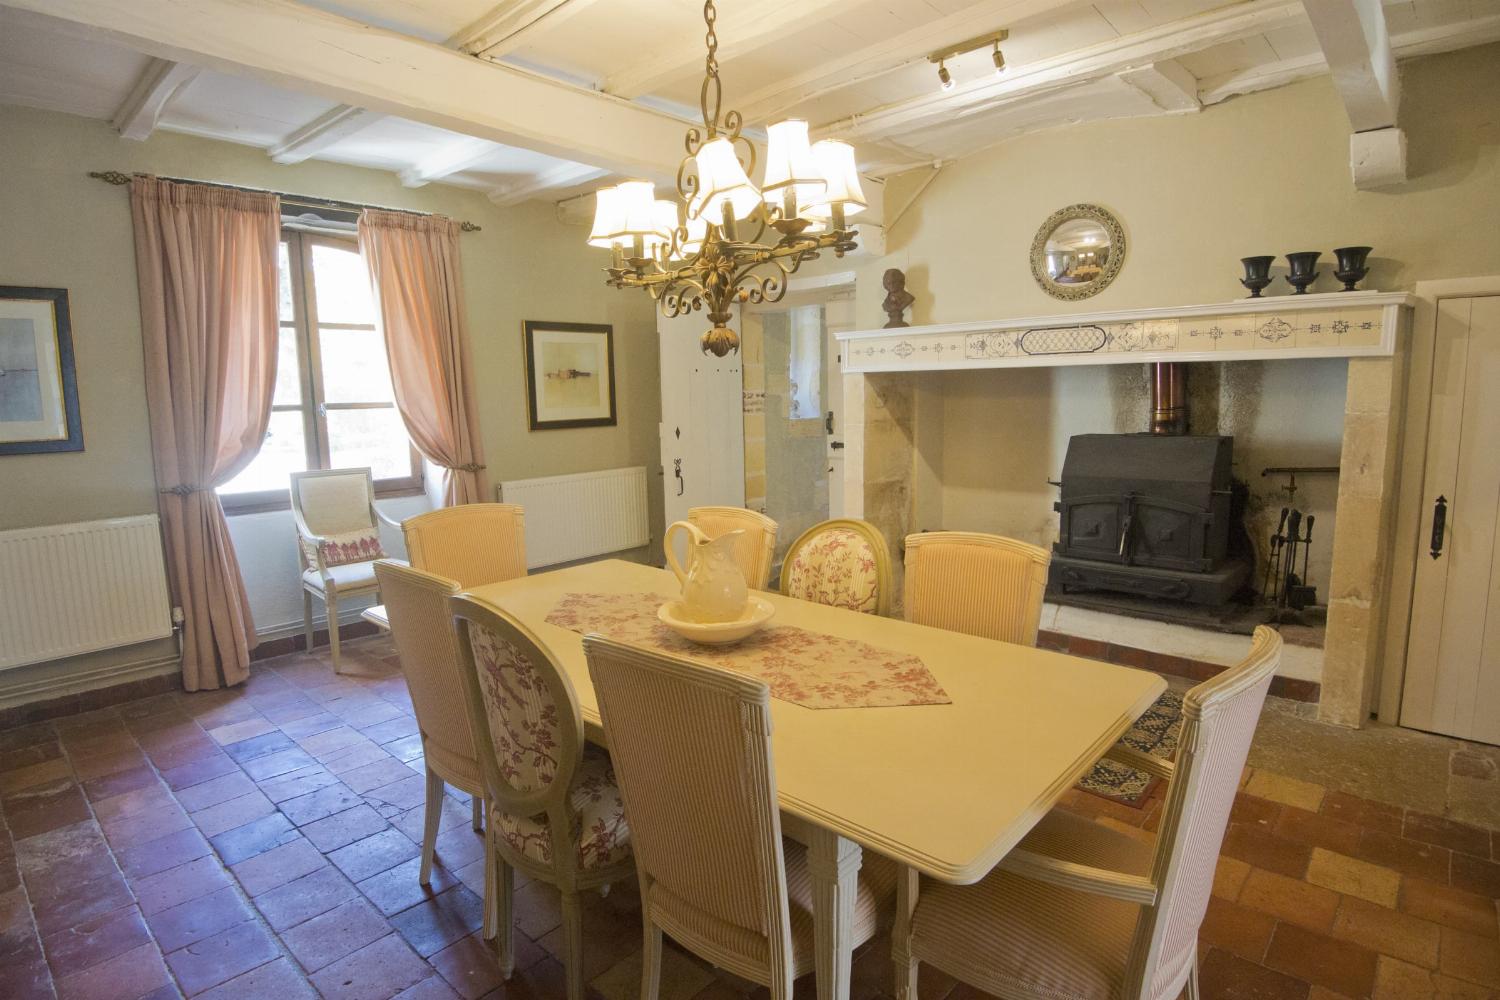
(841,563)
(338,538)
(555,811)
(754,549)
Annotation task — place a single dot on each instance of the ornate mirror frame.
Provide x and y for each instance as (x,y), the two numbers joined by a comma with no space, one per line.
(1093,213)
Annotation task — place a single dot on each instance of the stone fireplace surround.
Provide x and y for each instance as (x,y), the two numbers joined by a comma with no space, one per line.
(886,371)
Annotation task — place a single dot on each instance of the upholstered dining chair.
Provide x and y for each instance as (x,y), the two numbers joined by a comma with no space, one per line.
(473,543)
(1082,910)
(983,585)
(416,603)
(692,748)
(843,563)
(754,549)
(338,536)
(553,809)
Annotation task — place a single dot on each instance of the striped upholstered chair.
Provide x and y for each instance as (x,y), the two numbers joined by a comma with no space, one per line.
(984,585)
(1081,910)
(554,810)
(422,628)
(473,543)
(842,563)
(755,548)
(692,747)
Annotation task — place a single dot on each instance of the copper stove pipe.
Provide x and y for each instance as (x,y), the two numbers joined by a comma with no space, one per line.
(1169,412)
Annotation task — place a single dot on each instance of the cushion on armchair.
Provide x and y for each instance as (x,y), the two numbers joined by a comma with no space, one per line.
(344,548)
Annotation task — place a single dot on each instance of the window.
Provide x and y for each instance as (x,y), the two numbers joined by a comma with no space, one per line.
(333,406)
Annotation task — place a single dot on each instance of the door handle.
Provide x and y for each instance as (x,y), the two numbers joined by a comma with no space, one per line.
(677,471)
(1439,524)
(835,445)
(828,422)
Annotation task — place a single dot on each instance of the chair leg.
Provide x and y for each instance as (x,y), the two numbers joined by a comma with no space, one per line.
(907,888)
(433,820)
(1192,982)
(501,877)
(307,620)
(651,962)
(477,803)
(332,603)
(572,914)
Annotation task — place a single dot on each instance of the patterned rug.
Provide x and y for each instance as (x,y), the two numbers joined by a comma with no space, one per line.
(1156,732)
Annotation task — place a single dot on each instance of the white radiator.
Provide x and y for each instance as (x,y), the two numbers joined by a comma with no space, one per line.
(75,588)
(578,516)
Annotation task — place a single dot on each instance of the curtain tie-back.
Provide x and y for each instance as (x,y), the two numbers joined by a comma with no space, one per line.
(467,467)
(185,489)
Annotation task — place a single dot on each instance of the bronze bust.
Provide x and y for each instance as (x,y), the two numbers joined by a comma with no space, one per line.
(897,298)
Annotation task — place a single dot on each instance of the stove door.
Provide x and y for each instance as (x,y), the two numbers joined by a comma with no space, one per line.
(1090,527)
(1168,535)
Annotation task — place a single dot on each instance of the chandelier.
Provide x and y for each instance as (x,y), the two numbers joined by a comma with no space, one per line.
(724,240)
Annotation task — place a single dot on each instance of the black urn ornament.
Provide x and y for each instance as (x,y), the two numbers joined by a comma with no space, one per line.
(1257,274)
(1352,269)
(1302,271)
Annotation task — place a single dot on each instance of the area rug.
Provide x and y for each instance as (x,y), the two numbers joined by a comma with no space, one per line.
(1156,732)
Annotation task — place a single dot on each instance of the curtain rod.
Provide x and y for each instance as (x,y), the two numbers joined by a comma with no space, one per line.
(307,201)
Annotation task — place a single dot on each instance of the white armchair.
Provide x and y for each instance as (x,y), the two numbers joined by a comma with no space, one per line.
(338,536)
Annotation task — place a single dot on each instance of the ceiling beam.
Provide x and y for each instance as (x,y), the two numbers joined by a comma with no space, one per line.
(741,28)
(878,58)
(1169,86)
(322,132)
(1069,69)
(514,23)
(1357,47)
(564,175)
(159,82)
(453,158)
(292,45)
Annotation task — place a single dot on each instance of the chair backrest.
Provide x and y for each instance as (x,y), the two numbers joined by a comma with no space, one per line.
(753,550)
(337,505)
(1219,719)
(983,585)
(842,563)
(528,731)
(473,543)
(691,746)
(417,604)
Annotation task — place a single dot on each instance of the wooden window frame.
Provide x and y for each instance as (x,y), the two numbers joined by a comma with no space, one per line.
(313,407)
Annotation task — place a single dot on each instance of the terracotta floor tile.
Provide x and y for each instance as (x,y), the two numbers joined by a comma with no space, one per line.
(396,889)
(406,749)
(196,772)
(434,987)
(130,779)
(333,797)
(1264,850)
(260,746)
(1389,932)
(278,980)
(152,856)
(221,957)
(406,793)
(236,812)
(137,828)
(470,968)
(1470,957)
(43,808)
(352,758)
(330,936)
(149,799)
(125,977)
(294,784)
(278,866)
(1318,830)
(304,898)
(340,829)
(1475,875)
(394,729)
(179,926)
(375,972)
(1409,857)
(182,743)
(377,774)
(311,725)
(99,765)
(62,859)
(434,924)
(216,790)
(1363,812)
(20,757)
(1249,810)
(1290,899)
(1317,958)
(1353,877)
(1465,911)
(1447,833)
(46,772)
(256,837)
(373,855)
(96,940)
(26,978)
(1286,790)
(178,885)
(89,901)
(331,740)
(276,764)
(238,732)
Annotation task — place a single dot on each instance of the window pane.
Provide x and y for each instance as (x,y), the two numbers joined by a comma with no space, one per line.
(354,367)
(288,370)
(374,437)
(282,453)
(343,285)
(284,271)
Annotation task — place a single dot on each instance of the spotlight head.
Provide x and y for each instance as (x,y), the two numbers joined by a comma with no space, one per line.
(944,77)
(999,58)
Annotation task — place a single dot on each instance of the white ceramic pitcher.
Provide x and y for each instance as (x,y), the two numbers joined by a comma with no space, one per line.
(713,587)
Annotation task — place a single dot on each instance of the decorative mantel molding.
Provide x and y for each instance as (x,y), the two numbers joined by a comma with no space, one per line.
(1330,325)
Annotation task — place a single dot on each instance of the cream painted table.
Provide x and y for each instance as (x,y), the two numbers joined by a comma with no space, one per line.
(946,789)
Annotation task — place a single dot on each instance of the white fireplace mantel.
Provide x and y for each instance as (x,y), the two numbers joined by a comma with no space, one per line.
(1329,325)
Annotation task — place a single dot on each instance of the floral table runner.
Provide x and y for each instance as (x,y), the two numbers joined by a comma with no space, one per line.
(800,666)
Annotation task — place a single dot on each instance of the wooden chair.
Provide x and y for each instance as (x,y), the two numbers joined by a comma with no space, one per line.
(755,548)
(416,603)
(338,535)
(983,585)
(842,563)
(473,543)
(1082,910)
(692,747)
(554,811)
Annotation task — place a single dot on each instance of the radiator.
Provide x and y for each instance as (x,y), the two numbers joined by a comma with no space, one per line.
(578,516)
(76,588)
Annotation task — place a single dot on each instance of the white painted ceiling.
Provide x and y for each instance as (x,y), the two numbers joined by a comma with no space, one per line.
(853,68)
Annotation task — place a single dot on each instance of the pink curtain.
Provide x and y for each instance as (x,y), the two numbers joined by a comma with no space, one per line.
(206,264)
(415,269)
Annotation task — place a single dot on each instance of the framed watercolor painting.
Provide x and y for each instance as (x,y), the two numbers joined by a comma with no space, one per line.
(38,385)
(570,375)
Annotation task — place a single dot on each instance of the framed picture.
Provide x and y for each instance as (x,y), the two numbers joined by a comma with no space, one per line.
(38,387)
(570,375)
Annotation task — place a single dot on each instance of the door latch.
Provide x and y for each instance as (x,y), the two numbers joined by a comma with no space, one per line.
(828,422)
(677,471)
(1439,524)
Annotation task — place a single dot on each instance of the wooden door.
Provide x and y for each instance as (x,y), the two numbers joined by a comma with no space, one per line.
(1452,681)
(702,422)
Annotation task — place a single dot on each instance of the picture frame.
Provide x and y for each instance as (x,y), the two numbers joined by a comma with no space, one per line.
(570,374)
(38,380)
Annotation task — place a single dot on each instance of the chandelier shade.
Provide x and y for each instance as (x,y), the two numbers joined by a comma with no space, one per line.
(841,176)
(721,178)
(790,164)
(609,219)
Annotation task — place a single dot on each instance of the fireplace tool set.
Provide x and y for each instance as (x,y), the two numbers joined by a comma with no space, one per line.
(1283,586)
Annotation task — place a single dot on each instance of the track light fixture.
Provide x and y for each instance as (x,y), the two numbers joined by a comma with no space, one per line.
(994,38)
(999,58)
(944,77)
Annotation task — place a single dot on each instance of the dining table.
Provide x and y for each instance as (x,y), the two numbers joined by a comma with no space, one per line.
(945,787)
